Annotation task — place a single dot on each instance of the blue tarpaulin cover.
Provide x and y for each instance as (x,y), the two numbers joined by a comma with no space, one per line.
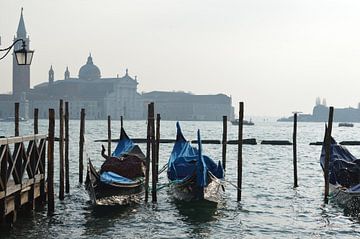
(126,156)
(124,145)
(344,168)
(186,160)
(111,177)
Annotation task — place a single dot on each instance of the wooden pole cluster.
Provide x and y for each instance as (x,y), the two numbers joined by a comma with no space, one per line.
(294,151)
(67,173)
(327,153)
(50,157)
(224,141)
(151,148)
(109,136)
(240,159)
(81,145)
(17,105)
(61,148)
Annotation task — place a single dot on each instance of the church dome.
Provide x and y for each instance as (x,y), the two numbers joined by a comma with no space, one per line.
(89,71)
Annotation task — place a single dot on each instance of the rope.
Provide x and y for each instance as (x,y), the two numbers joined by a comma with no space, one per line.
(163,169)
(232,184)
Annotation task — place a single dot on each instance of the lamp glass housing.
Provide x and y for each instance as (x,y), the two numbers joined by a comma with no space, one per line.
(23,56)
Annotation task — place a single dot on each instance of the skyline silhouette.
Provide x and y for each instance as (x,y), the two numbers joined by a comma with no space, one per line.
(275,56)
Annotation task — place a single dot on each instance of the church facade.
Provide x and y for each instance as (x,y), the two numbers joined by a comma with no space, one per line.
(98,95)
(102,96)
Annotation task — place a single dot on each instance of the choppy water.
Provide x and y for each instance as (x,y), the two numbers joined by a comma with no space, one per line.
(270,207)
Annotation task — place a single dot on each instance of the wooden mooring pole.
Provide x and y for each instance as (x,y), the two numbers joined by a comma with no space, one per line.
(50,157)
(147,163)
(121,122)
(327,153)
(240,159)
(36,121)
(67,173)
(294,151)
(61,150)
(109,136)
(17,105)
(158,118)
(224,142)
(81,145)
(153,155)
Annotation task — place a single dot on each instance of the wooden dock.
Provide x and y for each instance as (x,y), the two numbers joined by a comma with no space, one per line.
(22,174)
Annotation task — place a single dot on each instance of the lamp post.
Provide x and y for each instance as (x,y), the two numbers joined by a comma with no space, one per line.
(23,56)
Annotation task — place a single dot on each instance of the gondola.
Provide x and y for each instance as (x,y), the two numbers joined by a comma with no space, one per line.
(192,175)
(120,181)
(344,176)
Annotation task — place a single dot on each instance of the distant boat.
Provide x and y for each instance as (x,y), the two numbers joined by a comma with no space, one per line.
(346,125)
(245,122)
(12,119)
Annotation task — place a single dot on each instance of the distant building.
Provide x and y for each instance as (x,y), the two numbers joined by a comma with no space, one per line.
(103,96)
(99,96)
(320,113)
(187,106)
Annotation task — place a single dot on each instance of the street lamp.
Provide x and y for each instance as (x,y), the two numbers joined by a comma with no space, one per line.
(23,56)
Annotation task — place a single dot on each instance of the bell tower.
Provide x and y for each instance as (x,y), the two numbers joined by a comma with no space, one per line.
(21,73)
(51,76)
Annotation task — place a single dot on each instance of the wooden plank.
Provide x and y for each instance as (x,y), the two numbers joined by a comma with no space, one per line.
(19,139)
(24,197)
(28,138)
(37,192)
(12,189)
(25,189)
(14,140)
(2,194)
(27,182)
(38,177)
(3,141)
(9,205)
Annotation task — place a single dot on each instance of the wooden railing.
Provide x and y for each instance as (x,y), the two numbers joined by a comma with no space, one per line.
(22,172)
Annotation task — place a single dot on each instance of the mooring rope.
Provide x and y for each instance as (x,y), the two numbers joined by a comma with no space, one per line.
(163,169)
(226,181)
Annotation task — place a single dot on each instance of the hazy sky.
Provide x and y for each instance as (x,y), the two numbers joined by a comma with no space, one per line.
(275,55)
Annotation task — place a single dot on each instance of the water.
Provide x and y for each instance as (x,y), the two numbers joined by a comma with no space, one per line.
(270,207)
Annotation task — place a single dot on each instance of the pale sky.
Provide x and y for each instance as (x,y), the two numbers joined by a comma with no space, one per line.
(275,55)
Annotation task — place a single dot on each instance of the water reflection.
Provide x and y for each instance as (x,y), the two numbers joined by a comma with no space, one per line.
(198,215)
(100,219)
